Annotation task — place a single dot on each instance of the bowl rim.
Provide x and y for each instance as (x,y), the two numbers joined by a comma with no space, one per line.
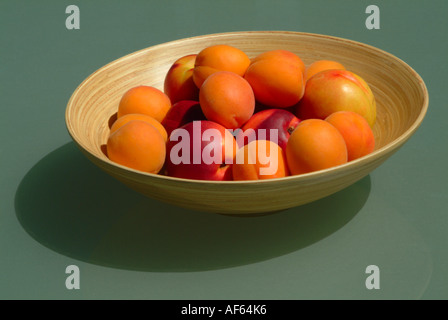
(386,149)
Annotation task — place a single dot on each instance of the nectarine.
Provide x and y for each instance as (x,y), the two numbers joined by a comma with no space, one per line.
(181,113)
(261,123)
(179,84)
(202,150)
(337,90)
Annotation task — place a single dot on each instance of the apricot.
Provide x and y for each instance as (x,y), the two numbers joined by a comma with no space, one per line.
(137,145)
(228,99)
(315,145)
(219,58)
(356,132)
(281,55)
(321,65)
(138,116)
(276,78)
(259,160)
(145,100)
(330,91)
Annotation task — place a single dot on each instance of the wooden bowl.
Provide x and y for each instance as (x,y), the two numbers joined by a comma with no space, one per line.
(401,95)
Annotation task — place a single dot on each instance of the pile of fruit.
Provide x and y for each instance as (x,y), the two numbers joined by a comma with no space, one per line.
(224,116)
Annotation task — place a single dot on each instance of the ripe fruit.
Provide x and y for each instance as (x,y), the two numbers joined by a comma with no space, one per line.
(280,120)
(213,94)
(315,145)
(321,65)
(259,160)
(356,131)
(219,58)
(181,113)
(281,56)
(276,78)
(201,150)
(137,145)
(228,99)
(337,90)
(145,100)
(137,116)
(179,84)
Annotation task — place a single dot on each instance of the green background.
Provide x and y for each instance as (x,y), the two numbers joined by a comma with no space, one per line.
(57,209)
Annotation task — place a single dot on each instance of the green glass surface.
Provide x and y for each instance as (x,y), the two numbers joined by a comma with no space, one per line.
(58,209)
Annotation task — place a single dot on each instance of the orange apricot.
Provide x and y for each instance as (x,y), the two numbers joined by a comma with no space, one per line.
(219,58)
(137,145)
(145,100)
(315,145)
(138,116)
(259,160)
(322,65)
(228,99)
(276,78)
(281,55)
(356,132)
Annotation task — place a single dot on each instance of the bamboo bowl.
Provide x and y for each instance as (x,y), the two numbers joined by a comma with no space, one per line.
(401,95)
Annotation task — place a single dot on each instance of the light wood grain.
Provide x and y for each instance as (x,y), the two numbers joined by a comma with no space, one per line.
(401,95)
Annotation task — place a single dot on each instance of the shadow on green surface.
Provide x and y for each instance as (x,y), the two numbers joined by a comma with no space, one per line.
(72,207)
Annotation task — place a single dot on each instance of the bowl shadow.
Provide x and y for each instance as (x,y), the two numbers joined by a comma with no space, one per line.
(70,206)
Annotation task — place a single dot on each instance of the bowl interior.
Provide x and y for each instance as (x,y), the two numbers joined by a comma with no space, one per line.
(400,93)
